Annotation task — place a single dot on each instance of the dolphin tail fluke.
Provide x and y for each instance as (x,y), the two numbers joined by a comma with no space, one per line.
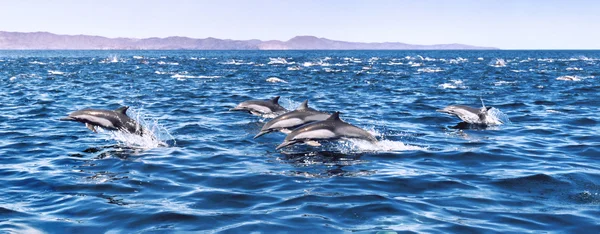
(285,144)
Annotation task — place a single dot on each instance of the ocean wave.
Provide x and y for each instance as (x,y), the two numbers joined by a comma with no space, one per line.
(569,78)
(185,76)
(574,69)
(279,61)
(38,63)
(167,63)
(236,62)
(275,80)
(498,63)
(430,70)
(456,84)
(503,82)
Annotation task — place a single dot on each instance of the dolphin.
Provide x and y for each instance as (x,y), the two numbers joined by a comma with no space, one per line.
(116,120)
(332,128)
(472,115)
(261,107)
(288,121)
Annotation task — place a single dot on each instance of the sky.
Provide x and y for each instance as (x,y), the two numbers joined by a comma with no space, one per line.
(506,24)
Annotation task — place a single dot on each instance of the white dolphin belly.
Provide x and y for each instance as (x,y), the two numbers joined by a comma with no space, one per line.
(286,123)
(102,122)
(259,108)
(316,134)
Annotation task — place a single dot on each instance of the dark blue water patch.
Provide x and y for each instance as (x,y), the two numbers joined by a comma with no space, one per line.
(428,173)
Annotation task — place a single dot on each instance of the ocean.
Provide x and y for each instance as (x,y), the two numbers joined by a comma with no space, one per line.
(204,172)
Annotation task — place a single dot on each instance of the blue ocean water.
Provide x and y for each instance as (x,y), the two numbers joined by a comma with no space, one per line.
(539,173)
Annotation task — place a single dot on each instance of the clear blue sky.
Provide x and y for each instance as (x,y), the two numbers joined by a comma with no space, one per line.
(507,24)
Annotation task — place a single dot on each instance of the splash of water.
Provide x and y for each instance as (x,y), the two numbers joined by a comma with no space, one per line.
(383,145)
(380,146)
(498,115)
(155,134)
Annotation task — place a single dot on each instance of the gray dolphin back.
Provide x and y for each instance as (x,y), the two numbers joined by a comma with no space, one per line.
(290,120)
(332,128)
(116,120)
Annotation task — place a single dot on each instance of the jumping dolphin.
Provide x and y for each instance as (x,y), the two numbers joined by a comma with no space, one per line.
(116,120)
(472,115)
(261,107)
(288,121)
(332,128)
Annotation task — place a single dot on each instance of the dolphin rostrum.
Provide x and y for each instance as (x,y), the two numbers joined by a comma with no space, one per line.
(472,115)
(261,107)
(332,128)
(288,121)
(116,120)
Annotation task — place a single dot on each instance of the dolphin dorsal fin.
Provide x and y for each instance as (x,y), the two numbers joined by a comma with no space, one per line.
(334,116)
(122,110)
(303,106)
(275,100)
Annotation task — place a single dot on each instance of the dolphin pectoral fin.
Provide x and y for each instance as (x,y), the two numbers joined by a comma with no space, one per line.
(313,143)
(285,144)
(261,133)
(91,127)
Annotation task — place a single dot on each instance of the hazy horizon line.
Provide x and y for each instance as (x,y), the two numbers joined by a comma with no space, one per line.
(263,40)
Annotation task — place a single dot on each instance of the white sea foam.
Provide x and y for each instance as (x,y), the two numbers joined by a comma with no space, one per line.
(413,64)
(574,69)
(498,63)
(24,75)
(179,76)
(275,80)
(380,146)
(294,68)
(458,60)
(38,63)
(111,59)
(497,116)
(278,61)
(503,82)
(430,70)
(456,84)
(569,78)
(162,72)
(155,136)
(167,63)
(547,60)
(52,72)
(391,63)
(236,62)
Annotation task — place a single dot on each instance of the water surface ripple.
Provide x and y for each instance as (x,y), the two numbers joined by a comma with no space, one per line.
(538,174)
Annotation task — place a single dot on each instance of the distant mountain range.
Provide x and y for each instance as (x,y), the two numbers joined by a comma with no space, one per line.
(50,41)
